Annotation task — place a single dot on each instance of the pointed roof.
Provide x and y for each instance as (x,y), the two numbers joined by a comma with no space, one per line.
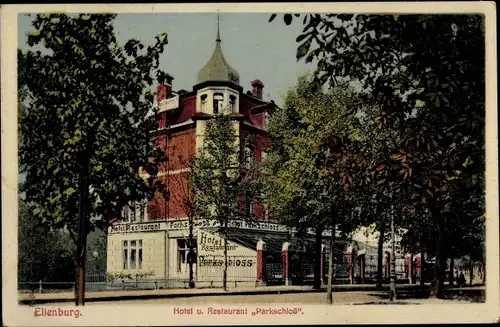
(217,68)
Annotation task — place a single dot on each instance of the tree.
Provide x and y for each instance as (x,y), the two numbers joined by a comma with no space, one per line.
(184,198)
(219,178)
(312,165)
(43,254)
(85,131)
(96,252)
(425,75)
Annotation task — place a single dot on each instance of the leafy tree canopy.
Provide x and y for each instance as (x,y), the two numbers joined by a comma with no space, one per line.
(85,99)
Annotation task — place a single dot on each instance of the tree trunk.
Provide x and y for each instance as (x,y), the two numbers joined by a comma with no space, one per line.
(191,254)
(471,272)
(452,267)
(81,249)
(422,260)
(317,258)
(329,295)
(380,255)
(224,277)
(437,288)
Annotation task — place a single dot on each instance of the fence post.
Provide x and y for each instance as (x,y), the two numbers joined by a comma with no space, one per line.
(419,267)
(409,267)
(350,252)
(322,264)
(286,263)
(387,267)
(362,264)
(40,286)
(261,264)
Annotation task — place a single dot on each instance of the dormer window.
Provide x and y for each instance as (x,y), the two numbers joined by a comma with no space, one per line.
(232,102)
(218,101)
(203,103)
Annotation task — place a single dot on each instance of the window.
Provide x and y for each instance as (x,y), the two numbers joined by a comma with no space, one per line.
(125,214)
(145,210)
(125,255)
(218,101)
(182,251)
(203,103)
(232,102)
(135,212)
(132,254)
(139,258)
(265,208)
(138,211)
(265,122)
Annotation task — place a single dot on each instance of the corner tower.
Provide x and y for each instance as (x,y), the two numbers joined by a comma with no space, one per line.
(217,83)
(217,89)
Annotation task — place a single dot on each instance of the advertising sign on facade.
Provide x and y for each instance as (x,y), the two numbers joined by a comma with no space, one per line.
(130,228)
(212,245)
(241,261)
(168,104)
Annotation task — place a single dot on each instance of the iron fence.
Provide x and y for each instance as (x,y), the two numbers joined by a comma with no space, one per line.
(273,270)
(116,285)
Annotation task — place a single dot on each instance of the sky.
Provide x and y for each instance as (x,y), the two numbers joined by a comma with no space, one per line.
(256,48)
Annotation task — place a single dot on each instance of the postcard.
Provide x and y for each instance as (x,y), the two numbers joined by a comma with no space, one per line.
(240,163)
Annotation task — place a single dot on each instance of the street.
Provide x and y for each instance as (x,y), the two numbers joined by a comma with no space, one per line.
(360,297)
(296,298)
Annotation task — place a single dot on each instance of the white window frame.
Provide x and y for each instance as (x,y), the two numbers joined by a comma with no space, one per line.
(232,103)
(218,101)
(203,99)
(182,252)
(185,251)
(127,248)
(135,212)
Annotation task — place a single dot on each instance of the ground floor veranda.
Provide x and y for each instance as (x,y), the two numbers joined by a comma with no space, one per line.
(263,253)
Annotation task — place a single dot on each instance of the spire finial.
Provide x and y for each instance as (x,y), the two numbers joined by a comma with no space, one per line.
(218,29)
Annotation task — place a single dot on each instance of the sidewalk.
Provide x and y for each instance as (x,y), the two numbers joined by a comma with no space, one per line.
(38,298)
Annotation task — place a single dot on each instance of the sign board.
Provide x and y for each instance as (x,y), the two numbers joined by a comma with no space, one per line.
(168,104)
(139,227)
(264,226)
(213,245)
(241,261)
(150,226)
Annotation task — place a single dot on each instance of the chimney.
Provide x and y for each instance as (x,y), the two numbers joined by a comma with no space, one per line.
(257,87)
(164,88)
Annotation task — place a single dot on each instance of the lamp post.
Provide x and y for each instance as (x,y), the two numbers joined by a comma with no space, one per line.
(392,287)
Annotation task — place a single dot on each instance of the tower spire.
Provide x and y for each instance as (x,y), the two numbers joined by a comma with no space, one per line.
(218,29)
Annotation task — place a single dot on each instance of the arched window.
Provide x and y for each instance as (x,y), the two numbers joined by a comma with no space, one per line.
(145,210)
(232,102)
(218,101)
(203,103)
(138,211)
